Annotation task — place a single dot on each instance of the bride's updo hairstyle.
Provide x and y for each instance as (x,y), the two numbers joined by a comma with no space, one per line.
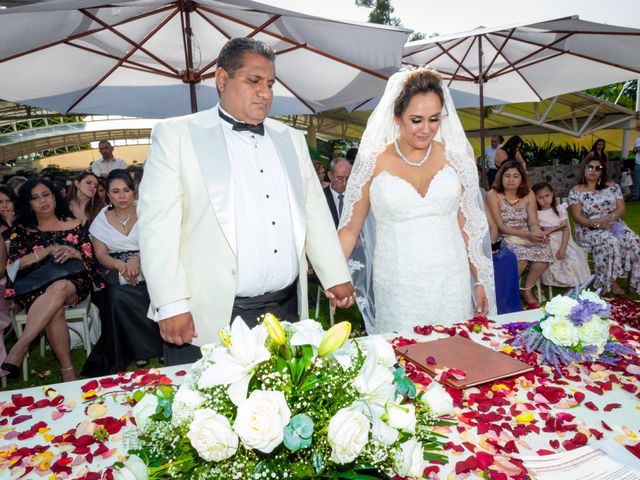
(422,80)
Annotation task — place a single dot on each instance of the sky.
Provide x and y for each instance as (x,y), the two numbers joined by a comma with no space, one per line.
(460,15)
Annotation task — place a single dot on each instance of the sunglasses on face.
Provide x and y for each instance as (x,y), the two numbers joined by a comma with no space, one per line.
(597,168)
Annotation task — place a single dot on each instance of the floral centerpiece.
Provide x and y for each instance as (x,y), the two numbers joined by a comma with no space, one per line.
(575,328)
(287,401)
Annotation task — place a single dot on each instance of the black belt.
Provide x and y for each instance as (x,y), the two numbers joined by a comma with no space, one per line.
(277,298)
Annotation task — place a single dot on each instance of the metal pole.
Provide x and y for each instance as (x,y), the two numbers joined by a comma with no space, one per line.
(188,7)
(484,181)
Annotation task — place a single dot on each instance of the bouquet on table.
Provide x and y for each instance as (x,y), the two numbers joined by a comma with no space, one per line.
(287,401)
(575,329)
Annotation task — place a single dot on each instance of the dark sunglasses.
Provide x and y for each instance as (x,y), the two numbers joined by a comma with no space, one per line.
(597,168)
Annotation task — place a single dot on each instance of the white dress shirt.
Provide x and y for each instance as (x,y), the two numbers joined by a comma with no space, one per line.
(104,167)
(490,152)
(265,246)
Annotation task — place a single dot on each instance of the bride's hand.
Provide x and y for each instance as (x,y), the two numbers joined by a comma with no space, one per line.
(482,302)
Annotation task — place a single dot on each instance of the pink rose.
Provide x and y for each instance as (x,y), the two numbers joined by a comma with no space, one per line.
(37,248)
(71,238)
(86,248)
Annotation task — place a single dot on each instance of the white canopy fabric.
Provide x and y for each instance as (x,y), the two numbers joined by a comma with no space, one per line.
(531,62)
(157,58)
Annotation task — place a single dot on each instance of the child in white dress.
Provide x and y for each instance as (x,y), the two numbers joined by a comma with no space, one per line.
(570,265)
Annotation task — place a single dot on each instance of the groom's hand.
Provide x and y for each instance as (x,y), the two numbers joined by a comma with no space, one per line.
(178,329)
(342,295)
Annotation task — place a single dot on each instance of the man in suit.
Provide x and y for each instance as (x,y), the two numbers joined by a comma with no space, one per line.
(229,206)
(339,171)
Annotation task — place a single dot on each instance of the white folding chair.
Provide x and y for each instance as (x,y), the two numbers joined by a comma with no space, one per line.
(81,313)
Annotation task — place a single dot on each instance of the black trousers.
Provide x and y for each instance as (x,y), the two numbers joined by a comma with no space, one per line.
(282,303)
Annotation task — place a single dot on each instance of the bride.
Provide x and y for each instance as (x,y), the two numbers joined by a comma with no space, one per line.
(413,225)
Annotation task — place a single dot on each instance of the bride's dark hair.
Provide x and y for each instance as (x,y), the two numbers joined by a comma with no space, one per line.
(419,82)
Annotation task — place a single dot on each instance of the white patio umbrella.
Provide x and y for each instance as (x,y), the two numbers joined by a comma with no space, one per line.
(157,58)
(530,62)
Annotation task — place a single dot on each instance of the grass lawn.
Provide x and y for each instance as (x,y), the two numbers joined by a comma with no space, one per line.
(44,370)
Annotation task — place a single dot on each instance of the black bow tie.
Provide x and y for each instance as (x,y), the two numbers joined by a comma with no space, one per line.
(241,126)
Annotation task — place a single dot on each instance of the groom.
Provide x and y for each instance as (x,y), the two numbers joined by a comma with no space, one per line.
(230,207)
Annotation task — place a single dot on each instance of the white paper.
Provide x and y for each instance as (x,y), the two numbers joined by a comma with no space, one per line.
(601,461)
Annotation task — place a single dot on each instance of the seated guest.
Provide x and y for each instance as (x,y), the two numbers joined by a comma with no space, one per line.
(14,183)
(320,171)
(598,152)
(597,207)
(514,210)
(7,210)
(570,266)
(102,191)
(83,198)
(127,334)
(7,219)
(510,151)
(505,268)
(339,171)
(136,173)
(46,237)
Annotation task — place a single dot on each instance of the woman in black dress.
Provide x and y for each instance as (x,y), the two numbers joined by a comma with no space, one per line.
(127,334)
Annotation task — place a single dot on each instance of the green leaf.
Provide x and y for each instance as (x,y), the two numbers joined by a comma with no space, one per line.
(404,385)
(309,383)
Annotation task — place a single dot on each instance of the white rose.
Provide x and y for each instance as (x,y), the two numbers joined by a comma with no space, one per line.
(594,332)
(438,400)
(402,417)
(409,461)
(261,419)
(560,331)
(211,435)
(560,306)
(133,469)
(185,402)
(145,408)
(383,349)
(592,297)
(348,433)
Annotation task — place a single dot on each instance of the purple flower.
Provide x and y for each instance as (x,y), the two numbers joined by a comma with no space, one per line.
(583,312)
(515,326)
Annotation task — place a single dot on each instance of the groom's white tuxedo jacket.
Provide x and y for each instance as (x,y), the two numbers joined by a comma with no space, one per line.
(187,223)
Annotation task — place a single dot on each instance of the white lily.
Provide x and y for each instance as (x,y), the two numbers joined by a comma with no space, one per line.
(235,365)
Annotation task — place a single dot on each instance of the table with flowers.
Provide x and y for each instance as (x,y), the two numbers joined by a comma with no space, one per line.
(76,430)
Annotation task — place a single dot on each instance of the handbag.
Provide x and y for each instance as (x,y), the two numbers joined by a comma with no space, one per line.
(45,274)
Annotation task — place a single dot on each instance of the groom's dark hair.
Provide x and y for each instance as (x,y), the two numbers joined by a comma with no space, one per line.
(232,54)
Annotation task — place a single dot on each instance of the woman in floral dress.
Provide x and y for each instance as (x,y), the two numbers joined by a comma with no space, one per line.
(597,206)
(46,229)
(514,209)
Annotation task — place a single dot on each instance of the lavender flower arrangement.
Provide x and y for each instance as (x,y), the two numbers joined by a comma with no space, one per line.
(574,329)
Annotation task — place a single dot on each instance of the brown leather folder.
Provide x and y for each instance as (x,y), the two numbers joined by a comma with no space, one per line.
(481,364)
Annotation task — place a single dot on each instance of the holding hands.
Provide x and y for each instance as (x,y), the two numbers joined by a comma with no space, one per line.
(341,296)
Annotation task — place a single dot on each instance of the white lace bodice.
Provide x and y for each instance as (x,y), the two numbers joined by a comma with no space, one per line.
(421,267)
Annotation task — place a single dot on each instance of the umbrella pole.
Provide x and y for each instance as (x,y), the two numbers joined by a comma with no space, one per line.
(483,181)
(187,8)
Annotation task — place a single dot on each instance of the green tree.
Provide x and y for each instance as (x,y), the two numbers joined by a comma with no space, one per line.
(625,90)
(382,12)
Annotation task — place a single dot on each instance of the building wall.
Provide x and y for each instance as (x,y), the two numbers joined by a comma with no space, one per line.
(81,160)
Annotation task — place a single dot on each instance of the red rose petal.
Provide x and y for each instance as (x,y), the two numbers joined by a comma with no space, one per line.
(579,397)
(605,426)
(431,360)
(612,406)
(542,452)
(591,406)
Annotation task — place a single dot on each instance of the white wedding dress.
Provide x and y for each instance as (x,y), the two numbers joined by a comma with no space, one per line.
(420,263)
